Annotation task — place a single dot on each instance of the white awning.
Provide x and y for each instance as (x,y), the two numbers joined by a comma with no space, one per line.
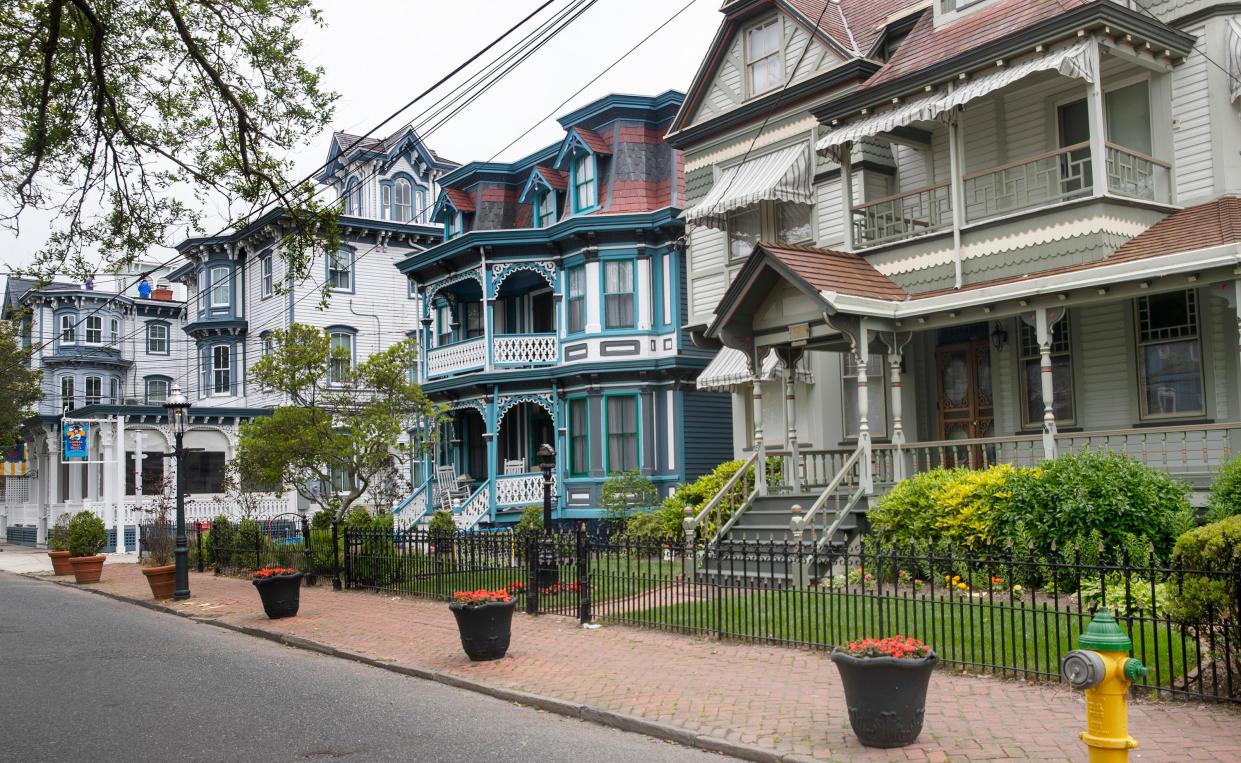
(1234,57)
(783,175)
(1072,61)
(730,368)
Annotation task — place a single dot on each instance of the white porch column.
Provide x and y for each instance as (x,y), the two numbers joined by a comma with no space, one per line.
(790,418)
(645,308)
(594,292)
(898,425)
(846,193)
(760,464)
(51,475)
(1043,330)
(117,474)
(956,192)
(1097,116)
(861,353)
(103,472)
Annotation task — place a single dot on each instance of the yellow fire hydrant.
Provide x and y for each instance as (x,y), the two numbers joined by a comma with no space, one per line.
(1102,666)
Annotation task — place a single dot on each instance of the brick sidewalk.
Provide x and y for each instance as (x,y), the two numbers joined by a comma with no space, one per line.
(787,701)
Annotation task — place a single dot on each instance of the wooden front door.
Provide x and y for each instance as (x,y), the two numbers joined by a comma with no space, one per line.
(966,407)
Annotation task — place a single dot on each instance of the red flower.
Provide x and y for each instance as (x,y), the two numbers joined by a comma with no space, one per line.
(268,572)
(895,646)
(481,596)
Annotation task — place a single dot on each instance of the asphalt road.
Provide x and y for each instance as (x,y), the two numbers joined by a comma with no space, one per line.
(83,678)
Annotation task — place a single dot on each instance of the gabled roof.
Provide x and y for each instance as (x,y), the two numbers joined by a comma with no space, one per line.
(14,290)
(455,198)
(347,148)
(544,177)
(580,136)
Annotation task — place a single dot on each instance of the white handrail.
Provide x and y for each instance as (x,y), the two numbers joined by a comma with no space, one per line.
(732,481)
(830,490)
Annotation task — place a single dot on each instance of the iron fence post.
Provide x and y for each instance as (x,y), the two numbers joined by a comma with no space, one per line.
(583,574)
(308,551)
(198,541)
(258,551)
(348,561)
(532,574)
(336,585)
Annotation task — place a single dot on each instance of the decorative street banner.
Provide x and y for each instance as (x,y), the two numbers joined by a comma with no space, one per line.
(14,462)
(76,437)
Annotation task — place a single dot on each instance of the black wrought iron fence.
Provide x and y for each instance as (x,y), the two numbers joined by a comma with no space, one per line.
(433,564)
(240,548)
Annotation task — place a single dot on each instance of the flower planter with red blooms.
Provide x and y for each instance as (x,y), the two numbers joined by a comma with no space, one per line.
(280,588)
(885,688)
(485,621)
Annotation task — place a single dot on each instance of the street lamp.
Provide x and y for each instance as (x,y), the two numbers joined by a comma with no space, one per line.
(178,407)
(547,462)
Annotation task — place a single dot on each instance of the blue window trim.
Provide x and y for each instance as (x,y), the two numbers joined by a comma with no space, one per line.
(353,188)
(167,338)
(539,222)
(607,468)
(209,303)
(353,273)
(206,370)
(353,343)
(603,293)
(414,185)
(146,381)
(266,261)
(578,209)
(569,423)
(568,285)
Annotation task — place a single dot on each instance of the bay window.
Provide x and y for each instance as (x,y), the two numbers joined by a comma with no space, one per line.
(618,294)
(67,399)
(403,195)
(1169,355)
(621,419)
(94,390)
(94,329)
(221,292)
(577,299)
(68,329)
(579,437)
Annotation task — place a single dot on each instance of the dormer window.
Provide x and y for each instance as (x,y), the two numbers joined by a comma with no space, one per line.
(353,197)
(762,57)
(220,291)
(585,196)
(455,224)
(402,192)
(545,211)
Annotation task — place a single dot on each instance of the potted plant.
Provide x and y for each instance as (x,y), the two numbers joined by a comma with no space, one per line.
(280,588)
(58,545)
(485,621)
(87,536)
(159,546)
(885,688)
(441,528)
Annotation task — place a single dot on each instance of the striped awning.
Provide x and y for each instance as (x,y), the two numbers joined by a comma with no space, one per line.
(730,368)
(783,175)
(1071,61)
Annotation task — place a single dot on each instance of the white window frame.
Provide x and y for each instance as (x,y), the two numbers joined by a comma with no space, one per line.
(334,269)
(114,391)
(146,391)
(385,201)
(218,278)
(631,291)
(114,331)
(68,329)
(87,397)
(94,326)
(267,276)
(1195,305)
(777,53)
(221,372)
(68,393)
(336,373)
(402,212)
(154,342)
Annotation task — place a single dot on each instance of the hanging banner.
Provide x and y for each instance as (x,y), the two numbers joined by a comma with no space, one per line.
(77,434)
(14,462)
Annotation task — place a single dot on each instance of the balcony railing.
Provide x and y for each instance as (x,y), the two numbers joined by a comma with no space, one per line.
(903,215)
(459,357)
(1132,173)
(1037,181)
(520,489)
(525,350)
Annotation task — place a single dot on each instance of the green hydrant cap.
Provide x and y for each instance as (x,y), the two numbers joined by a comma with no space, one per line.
(1104,635)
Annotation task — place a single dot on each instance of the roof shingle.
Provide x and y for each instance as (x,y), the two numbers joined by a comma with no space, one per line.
(830,270)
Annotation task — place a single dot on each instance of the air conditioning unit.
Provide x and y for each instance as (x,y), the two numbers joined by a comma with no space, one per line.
(132,401)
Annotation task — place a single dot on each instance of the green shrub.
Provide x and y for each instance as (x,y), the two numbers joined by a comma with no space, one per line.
(1127,599)
(1216,547)
(625,493)
(698,493)
(908,513)
(1115,500)
(58,536)
(1225,499)
(442,522)
(87,534)
(659,526)
(321,520)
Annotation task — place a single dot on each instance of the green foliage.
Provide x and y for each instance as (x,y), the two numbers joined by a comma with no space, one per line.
(87,534)
(908,513)
(660,526)
(531,521)
(441,522)
(132,107)
(1225,499)
(1138,596)
(626,492)
(321,520)
(58,536)
(20,384)
(691,498)
(1216,546)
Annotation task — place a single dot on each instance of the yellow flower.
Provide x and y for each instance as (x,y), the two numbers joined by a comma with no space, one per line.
(1016,589)
(956,578)
(963,586)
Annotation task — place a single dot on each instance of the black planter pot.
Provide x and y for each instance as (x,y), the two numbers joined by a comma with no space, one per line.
(485,628)
(281,594)
(886,697)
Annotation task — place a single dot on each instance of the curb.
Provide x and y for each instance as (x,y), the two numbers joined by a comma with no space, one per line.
(588,713)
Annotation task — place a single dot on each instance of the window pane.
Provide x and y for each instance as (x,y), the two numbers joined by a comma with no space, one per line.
(622,434)
(579,455)
(1129,117)
(1061,389)
(1168,316)
(219,287)
(743,232)
(1172,378)
(794,223)
(764,40)
(221,380)
(877,399)
(157,391)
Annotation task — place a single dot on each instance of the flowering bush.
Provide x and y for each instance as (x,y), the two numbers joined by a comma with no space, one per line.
(268,572)
(516,586)
(556,588)
(481,596)
(897,646)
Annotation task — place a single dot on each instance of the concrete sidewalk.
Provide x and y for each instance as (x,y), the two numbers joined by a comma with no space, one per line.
(753,701)
(26,560)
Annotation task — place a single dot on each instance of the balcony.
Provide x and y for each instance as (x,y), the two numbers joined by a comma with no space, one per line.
(523,350)
(457,358)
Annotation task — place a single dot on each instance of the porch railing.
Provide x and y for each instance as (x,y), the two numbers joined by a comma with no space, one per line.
(525,350)
(1132,173)
(459,357)
(725,506)
(520,489)
(1036,181)
(410,511)
(475,508)
(903,215)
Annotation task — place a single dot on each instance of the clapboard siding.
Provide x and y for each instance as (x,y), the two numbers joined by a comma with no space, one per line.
(1192,139)
(1219,332)
(707,431)
(1102,355)
(827,207)
(913,169)
(708,277)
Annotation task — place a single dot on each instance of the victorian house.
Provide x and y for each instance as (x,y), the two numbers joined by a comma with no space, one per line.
(553,313)
(112,359)
(962,233)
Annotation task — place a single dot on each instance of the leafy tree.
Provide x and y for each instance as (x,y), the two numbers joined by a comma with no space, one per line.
(20,385)
(116,110)
(337,419)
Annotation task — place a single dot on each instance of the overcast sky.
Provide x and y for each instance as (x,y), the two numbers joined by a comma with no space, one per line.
(379,54)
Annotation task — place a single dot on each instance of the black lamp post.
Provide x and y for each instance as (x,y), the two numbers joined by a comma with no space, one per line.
(547,462)
(178,407)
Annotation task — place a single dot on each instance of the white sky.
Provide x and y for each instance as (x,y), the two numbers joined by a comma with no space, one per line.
(379,54)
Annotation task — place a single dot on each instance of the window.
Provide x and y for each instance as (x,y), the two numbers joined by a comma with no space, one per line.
(793,223)
(157,338)
(584,183)
(114,391)
(579,437)
(1129,117)
(340,271)
(455,224)
(267,280)
(353,197)
(94,390)
(1169,355)
(404,200)
(268,344)
(204,472)
(545,211)
(221,370)
(200,297)
(341,361)
(577,299)
(443,324)
(762,57)
(114,331)
(220,291)
(622,425)
(338,479)
(420,205)
(744,230)
(385,200)
(152,473)
(156,391)
(876,395)
(618,291)
(94,329)
(1061,374)
(68,329)
(67,402)
(471,319)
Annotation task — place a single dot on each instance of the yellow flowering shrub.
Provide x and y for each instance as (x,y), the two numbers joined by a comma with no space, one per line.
(970,506)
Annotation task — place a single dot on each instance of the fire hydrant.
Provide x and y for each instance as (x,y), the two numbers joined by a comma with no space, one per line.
(1102,666)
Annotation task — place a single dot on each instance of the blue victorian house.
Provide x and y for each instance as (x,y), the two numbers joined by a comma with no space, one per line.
(552,313)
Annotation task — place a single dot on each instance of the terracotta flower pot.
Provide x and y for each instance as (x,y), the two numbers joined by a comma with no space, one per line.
(886,696)
(281,594)
(485,628)
(60,563)
(87,569)
(163,580)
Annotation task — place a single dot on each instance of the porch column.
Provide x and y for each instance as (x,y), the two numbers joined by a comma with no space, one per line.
(50,475)
(117,473)
(1043,330)
(760,464)
(1097,116)
(861,353)
(898,426)
(594,288)
(846,193)
(956,192)
(644,291)
(492,421)
(790,358)
(489,322)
